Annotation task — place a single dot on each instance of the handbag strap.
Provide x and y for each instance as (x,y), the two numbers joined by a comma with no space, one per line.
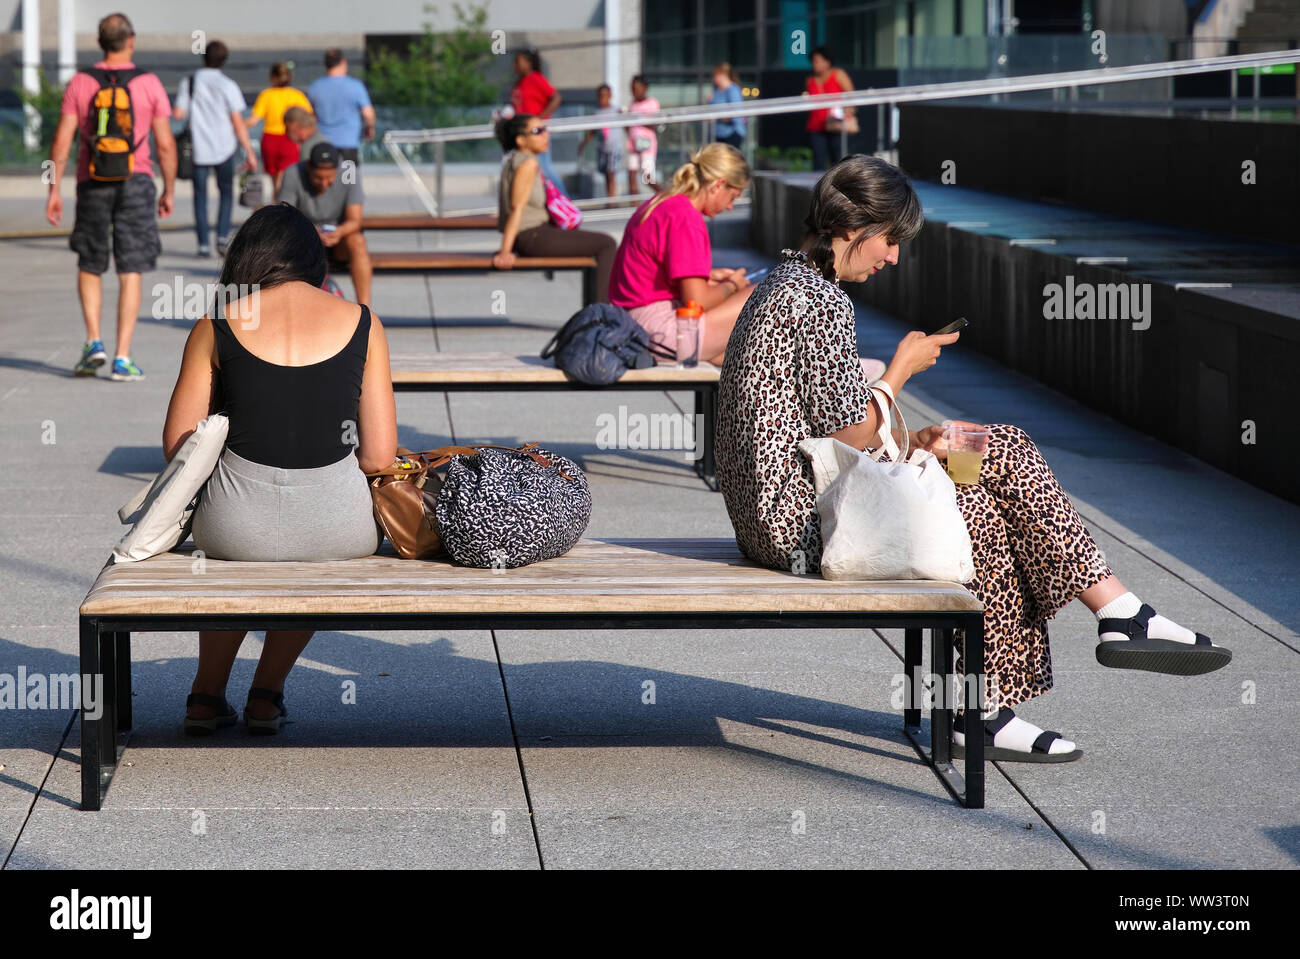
(410,464)
(189,114)
(884,433)
(135,502)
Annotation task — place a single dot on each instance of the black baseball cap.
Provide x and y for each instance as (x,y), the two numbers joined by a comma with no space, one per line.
(323,155)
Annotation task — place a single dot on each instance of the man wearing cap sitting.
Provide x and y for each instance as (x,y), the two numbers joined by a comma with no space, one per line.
(328,192)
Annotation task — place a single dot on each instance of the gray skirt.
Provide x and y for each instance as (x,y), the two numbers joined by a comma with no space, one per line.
(258,513)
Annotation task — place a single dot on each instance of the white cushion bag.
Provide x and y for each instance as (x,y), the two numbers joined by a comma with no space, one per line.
(887,520)
(162,510)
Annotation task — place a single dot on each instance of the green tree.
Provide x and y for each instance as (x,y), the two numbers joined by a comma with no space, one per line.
(438,69)
(47,104)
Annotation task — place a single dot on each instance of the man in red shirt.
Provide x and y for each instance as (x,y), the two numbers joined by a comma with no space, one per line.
(123,208)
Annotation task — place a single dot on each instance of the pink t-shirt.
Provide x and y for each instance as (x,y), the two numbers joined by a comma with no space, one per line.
(648,105)
(658,252)
(148,102)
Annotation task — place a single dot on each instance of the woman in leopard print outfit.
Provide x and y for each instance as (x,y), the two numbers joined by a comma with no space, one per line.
(791,371)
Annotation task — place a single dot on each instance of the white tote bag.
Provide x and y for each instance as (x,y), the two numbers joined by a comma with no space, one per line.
(887,520)
(161,511)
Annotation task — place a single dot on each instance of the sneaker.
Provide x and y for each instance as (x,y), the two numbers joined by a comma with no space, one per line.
(204,252)
(223,244)
(93,356)
(124,371)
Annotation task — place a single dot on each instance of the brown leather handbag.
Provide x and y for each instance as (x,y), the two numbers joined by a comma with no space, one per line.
(404,495)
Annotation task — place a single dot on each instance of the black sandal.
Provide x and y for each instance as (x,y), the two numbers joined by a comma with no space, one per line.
(1140,651)
(225,714)
(1038,751)
(265,727)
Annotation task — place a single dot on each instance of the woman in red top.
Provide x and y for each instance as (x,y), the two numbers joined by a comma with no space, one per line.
(534,96)
(826,78)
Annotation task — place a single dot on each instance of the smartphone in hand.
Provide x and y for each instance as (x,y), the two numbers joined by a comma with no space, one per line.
(958,324)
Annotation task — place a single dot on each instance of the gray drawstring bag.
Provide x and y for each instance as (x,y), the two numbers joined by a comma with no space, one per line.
(500,509)
(600,343)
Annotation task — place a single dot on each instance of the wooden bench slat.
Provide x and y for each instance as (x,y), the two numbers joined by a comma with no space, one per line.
(422,221)
(598,576)
(456,368)
(417,260)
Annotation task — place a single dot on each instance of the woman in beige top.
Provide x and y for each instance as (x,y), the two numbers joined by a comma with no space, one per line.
(525,225)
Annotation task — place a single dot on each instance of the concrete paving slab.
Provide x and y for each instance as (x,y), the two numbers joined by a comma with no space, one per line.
(752,729)
(740,831)
(314,837)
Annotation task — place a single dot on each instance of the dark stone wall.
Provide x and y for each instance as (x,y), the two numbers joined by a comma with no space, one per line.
(1180,170)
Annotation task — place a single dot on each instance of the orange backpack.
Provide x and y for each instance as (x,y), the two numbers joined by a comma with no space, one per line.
(112,124)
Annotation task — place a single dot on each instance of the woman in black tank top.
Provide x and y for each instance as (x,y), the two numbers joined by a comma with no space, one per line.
(290,485)
(291,416)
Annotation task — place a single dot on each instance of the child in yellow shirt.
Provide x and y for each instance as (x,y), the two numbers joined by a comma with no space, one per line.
(278,151)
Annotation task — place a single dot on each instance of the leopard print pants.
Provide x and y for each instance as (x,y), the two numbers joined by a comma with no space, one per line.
(1033,555)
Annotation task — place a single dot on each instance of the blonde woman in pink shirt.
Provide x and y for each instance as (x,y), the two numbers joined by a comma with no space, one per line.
(665,258)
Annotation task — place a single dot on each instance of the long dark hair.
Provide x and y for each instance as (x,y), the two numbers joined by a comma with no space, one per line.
(277,244)
(859,192)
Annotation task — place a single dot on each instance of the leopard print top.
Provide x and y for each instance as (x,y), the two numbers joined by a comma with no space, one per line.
(791,372)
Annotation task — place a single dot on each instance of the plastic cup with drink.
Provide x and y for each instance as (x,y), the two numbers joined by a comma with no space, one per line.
(688,334)
(967,445)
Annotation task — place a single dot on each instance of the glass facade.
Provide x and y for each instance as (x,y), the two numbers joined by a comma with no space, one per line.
(684,37)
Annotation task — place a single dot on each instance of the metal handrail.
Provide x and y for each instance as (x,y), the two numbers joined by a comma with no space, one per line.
(393,140)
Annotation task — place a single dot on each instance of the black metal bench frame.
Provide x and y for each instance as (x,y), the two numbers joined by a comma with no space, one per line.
(106,650)
(706,405)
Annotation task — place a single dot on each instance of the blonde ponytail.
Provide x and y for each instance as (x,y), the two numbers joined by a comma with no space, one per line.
(716,161)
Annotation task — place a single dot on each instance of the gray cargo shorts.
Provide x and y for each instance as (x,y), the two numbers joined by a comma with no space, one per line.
(129,209)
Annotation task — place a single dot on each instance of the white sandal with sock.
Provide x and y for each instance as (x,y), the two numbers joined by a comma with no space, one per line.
(1011,740)
(1128,643)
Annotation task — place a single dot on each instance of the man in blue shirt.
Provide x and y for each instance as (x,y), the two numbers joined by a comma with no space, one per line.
(214,107)
(342,106)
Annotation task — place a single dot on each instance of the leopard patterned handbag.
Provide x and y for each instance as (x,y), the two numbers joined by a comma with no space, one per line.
(501,508)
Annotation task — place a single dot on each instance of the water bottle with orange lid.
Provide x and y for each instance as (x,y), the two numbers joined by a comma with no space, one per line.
(689,315)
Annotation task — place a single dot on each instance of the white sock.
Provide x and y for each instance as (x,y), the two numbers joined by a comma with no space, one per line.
(1160,627)
(1019,735)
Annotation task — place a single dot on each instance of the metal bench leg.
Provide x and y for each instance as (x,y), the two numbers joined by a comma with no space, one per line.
(941,656)
(91,755)
(122,643)
(588,286)
(108,721)
(938,753)
(912,676)
(706,404)
(973,660)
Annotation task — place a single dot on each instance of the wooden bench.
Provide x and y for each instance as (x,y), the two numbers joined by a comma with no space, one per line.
(600,584)
(435,372)
(480,221)
(423,221)
(433,261)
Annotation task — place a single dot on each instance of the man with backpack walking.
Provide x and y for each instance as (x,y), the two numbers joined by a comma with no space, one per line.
(115,106)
